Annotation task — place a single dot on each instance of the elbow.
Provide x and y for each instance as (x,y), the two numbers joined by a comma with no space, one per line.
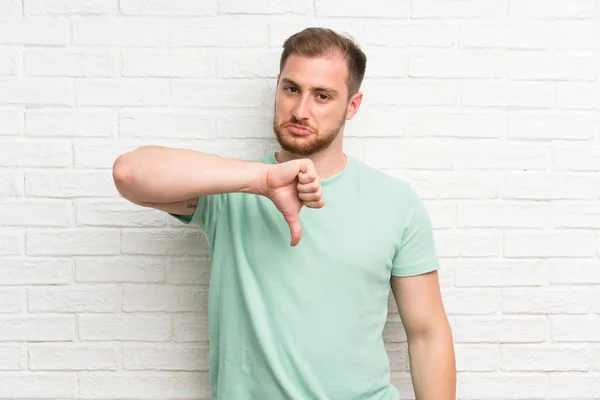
(122,173)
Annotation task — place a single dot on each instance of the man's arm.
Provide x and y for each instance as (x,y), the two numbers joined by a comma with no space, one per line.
(430,344)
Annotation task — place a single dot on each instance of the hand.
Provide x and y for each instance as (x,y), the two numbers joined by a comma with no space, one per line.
(291,185)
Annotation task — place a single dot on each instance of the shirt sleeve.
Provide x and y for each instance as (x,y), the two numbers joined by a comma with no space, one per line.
(416,253)
(206,212)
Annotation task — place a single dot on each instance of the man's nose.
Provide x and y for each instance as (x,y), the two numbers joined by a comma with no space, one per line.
(301,110)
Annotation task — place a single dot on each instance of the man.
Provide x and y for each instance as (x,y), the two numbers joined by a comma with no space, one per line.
(306,243)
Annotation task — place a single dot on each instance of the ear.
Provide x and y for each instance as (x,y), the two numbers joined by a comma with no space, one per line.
(354,105)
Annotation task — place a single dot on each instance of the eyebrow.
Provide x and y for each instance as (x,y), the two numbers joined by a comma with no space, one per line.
(314,89)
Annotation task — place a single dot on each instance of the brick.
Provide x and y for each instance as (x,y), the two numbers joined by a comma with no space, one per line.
(164,298)
(505,329)
(374,121)
(110,213)
(414,93)
(71,242)
(458,9)
(224,93)
(503,215)
(73,299)
(39,385)
(93,31)
(485,272)
(147,385)
(577,157)
(554,9)
(552,244)
(35,213)
(471,301)
(162,125)
(453,184)
(571,271)
(568,214)
(409,153)
(265,7)
(251,63)
(123,92)
(451,124)
(70,7)
(36,91)
(190,328)
(377,8)
(164,8)
(35,271)
(164,242)
(512,35)
(477,358)
(9,59)
(125,327)
(176,357)
(372,32)
(487,155)
(10,9)
(580,328)
(69,184)
(549,186)
(507,94)
(571,385)
(546,126)
(35,31)
(545,301)
(504,386)
(578,95)
(222,31)
(11,242)
(394,331)
(450,64)
(120,269)
(385,62)
(11,122)
(245,124)
(35,153)
(74,357)
(398,356)
(12,357)
(536,358)
(595,358)
(596,300)
(99,153)
(11,184)
(37,328)
(577,35)
(189,271)
(442,214)
(473,243)
(543,66)
(70,123)
(173,63)
(12,300)
(70,63)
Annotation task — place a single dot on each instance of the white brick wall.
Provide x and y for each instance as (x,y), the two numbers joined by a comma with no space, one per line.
(490,108)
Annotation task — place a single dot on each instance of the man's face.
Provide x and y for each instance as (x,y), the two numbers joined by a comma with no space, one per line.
(311,94)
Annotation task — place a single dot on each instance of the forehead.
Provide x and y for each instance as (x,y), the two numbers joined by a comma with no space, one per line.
(330,71)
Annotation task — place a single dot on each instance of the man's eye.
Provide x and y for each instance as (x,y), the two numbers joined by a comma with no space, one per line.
(291,89)
(323,97)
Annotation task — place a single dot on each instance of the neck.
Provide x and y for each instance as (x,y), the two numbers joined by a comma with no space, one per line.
(328,162)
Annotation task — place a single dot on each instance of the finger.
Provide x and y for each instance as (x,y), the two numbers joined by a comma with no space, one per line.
(306,177)
(312,187)
(310,197)
(295,229)
(315,204)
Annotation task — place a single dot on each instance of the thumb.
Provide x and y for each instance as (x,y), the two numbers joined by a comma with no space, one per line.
(295,228)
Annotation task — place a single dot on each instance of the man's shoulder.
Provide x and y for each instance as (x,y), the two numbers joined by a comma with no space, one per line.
(383,180)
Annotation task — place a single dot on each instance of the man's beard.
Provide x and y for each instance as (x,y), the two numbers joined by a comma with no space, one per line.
(305,145)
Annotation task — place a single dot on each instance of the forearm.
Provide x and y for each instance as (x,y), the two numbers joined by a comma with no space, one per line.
(433,367)
(153,174)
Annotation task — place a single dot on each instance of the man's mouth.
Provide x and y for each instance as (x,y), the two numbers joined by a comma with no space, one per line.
(298,130)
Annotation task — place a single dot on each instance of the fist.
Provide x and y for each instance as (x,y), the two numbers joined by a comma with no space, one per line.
(290,186)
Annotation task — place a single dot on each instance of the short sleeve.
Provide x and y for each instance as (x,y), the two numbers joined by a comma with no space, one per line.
(206,212)
(416,253)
